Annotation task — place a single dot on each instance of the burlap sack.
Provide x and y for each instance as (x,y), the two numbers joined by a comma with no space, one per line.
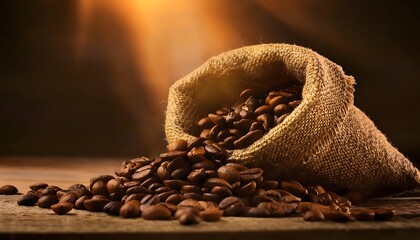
(326,140)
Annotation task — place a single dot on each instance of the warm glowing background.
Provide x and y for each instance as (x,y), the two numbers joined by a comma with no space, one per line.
(90,77)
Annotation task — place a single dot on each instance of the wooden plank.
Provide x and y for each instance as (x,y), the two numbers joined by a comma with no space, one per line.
(18,222)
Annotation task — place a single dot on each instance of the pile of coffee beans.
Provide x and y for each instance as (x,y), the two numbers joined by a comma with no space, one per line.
(193,182)
(248,120)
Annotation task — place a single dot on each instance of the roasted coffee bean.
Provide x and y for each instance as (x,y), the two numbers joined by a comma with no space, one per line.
(189,219)
(8,190)
(156,212)
(168,156)
(319,189)
(135,196)
(79,204)
(37,186)
(362,214)
(281,109)
(222,191)
(212,182)
(164,195)
(27,200)
(257,212)
(282,118)
(216,151)
(314,215)
(69,197)
(150,199)
(252,174)
(212,197)
(211,214)
(189,203)
(216,119)
(238,166)
(314,198)
(137,189)
(46,201)
(204,122)
(248,139)
(191,189)
(312,190)
(231,206)
(268,185)
(130,209)
(143,173)
(246,190)
(62,208)
(99,188)
(163,173)
(290,199)
(336,216)
(113,208)
(229,173)
(267,122)
(245,94)
(274,195)
(95,205)
(196,142)
(186,210)
(174,199)
(294,189)
(384,214)
(146,183)
(178,145)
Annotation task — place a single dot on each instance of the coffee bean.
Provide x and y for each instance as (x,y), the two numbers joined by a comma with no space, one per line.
(69,197)
(27,200)
(186,210)
(221,191)
(268,185)
(216,151)
(212,182)
(95,205)
(325,198)
(212,197)
(294,189)
(130,209)
(248,139)
(174,199)
(102,178)
(8,190)
(384,214)
(197,176)
(189,219)
(314,215)
(362,214)
(137,189)
(143,173)
(79,204)
(37,186)
(211,214)
(228,173)
(246,190)
(62,208)
(178,145)
(257,212)
(231,206)
(252,174)
(189,203)
(175,184)
(46,201)
(156,212)
(113,208)
(150,199)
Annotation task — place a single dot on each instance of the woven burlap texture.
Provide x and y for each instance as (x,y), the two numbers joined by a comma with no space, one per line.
(326,140)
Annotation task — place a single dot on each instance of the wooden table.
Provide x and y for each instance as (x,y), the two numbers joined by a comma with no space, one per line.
(18,222)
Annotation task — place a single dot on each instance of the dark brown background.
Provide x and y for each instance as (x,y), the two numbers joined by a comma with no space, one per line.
(90,78)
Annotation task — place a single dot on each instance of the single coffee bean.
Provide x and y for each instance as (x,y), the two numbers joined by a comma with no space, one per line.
(113,208)
(257,212)
(246,190)
(46,201)
(216,119)
(137,189)
(27,200)
(156,212)
(274,195)
(268,185)
(102,178)
(150,199)
(281,109)
(314,215)
(216,151)
(175,184)
(143,173)
(95,205)
(212,182)
(384,214)
(212,197)
(325,198)
(189,203)
(231,206)
(69,197)
(189,219)
(62,208)
(204,122)
(211,214)
(37,186)
(252,174)
(164,195)
(221,191)
(294,189)
(228,173)
(314,198)
(362,214)
(149,181)
(130,209)
(178,145)
(191,189)
(174,199)
(8,190)
(79,204)
(248,139)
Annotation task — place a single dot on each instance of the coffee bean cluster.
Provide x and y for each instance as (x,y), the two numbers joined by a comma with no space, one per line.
(193,182)
(248,120)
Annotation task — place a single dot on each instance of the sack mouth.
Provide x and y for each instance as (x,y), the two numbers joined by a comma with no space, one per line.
(219,81)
